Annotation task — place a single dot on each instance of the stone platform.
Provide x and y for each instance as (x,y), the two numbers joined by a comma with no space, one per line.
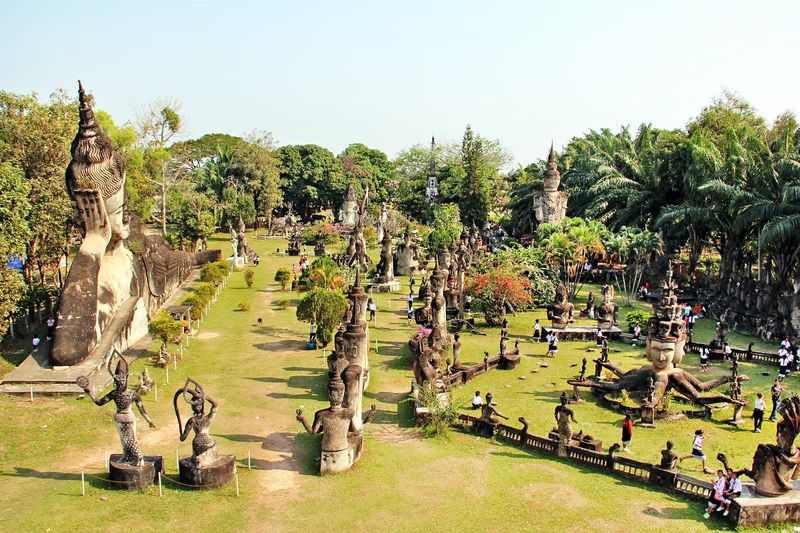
(128,477)
(212,476)
(581,333)
(389,286)
(752,510)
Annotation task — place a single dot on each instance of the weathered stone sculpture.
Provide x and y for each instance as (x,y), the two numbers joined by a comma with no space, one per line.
(665,349)
(407,256)
(607,310)
(319,246)
(563,415)
(348,214)
(130,468)
(384,271)
(205,468)
(775,466)
(669,459)
(242,249)
(382,219)
(119,277)
(550,205)
(560,313)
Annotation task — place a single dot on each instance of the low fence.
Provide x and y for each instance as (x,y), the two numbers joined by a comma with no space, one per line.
(748,355)
(641,472)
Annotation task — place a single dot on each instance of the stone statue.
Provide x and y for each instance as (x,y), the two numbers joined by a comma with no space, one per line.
(406,256)
(348,214)
(241,246)
(145,383)
(665,349)
(550,205)
(319,246)
(503,344)
(589,301)
(112,288)
(560,313)
(607,311)
(669,459)
(124,418)
(457,352)
(583,370)
(382,218)
(563,415)
(385,270)
(489,413)
(205,468)
(775,466)
(234,241)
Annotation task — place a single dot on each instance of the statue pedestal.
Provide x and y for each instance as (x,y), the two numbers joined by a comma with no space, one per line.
(388,286)
(663,478)
(738,416)
(509,360)
(647,417)
(238,261)
(484,428)
(128,477)
(339,461)
(575,396)
(211,476)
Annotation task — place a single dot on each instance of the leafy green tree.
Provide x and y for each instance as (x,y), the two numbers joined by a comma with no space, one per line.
(311,178)
(14,230)
(325,308)
(445,229)
(283,276)
(323,273)
(165,328)
(412,168)
(364,166)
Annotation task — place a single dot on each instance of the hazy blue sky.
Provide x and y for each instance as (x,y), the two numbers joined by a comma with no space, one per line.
(388,74)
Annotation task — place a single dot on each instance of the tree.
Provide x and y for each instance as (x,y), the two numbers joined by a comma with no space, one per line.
(498,290)
(633,247)
(165,328)
(445,229)
(325,308)
(156,124)
(311,178)
(364,166)
(322,273)
(14,231)
(412,167)
(35,139)
(283,276)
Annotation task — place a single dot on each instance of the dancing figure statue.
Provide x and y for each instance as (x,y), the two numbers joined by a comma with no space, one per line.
(124,418)
(204,449)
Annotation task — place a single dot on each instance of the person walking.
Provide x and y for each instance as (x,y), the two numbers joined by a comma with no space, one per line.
(697,450)
(312,333)
(599,336)
(51,327)
(758,412)
(783,363)
(410,301)
(552,344)
(703,358)
(775,392)
(537,331)
(372,308)
(627,433)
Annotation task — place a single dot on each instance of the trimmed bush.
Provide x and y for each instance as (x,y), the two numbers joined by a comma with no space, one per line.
(284,277)
(243,306)
(637,317)
(249,275)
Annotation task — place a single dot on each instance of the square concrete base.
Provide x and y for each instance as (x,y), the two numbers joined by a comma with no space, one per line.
(752,510)
(389,286)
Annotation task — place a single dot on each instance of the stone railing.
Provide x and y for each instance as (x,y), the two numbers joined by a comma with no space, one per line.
(639,471)
(742,355)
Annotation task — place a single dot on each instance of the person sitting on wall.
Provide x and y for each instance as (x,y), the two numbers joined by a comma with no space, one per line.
(477,401)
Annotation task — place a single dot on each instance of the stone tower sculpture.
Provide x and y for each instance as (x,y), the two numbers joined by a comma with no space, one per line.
(432,190)
(550,205)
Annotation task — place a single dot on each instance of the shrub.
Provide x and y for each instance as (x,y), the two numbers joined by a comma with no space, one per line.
(322,273)
(325,308)
(494,291)
(635,318)
(443,414)
(283,303)
(166,328)
(215,272)
(283,276)
(243,306)
(249,275)
(323,228)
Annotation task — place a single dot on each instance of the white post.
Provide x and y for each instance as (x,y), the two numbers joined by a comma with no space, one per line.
(156,386)
(83,485)
(175,360)
(105,459)
(237,484)
(160,493)
(31,393)
(248,459)
(376,345)
(177,460)
(167,369)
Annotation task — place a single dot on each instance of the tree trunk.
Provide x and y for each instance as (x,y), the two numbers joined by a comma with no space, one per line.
(164,209)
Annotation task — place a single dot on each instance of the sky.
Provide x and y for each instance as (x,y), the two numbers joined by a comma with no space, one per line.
(390,74)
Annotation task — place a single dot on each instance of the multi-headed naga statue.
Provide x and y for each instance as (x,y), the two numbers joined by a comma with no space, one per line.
(125,420)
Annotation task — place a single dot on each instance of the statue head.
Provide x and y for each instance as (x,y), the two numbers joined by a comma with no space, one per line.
(336,391)
(561,293)
(564,399)
(120,373)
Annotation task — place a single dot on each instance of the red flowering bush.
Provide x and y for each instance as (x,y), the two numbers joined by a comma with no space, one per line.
(497,291)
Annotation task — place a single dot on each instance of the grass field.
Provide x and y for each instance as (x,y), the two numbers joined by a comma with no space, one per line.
(404,482)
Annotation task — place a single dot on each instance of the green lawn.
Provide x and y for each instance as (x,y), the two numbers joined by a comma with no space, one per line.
(260,375)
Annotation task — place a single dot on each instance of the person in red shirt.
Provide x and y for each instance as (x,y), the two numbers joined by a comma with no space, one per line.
(627,433)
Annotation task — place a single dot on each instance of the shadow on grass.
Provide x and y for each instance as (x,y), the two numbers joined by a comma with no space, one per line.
(295,449)
(29,472)
(284,345)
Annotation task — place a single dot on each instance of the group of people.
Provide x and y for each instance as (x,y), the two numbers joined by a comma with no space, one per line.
(727,487)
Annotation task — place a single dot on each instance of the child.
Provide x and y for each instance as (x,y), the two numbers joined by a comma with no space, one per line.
(697,450)
(537,331)
(552,348)
(372,308)
(703,359)
(715,503)
(637,332)
(627,433)
(734,490)
(758,412)
(477,401)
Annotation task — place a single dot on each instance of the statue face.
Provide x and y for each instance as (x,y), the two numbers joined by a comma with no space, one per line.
(662,353)
(115,209)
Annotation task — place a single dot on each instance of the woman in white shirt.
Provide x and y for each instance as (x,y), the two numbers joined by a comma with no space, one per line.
(758,412)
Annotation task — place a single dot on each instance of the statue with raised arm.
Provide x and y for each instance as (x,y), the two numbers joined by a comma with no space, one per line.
(489,413)
(124,399)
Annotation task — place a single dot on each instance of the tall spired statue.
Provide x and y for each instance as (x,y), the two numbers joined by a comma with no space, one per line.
(549,205)
(112,288)
(432,190)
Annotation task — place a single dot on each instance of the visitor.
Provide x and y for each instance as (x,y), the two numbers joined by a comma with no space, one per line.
(637,332)
(372,309)
(537,330)
(687,310)
(312,333)
(717,492)
(726,352)
(599,336)
(775,392)
(703,358)
(697,450)
(734,490)
(477,401)
(552,344)
(627,433)
(791,361)
(467,303)
(783,363)
(51,327)
(410,300)
(411,284)
(692,320)
(786,344)
(36,341)
(758,412)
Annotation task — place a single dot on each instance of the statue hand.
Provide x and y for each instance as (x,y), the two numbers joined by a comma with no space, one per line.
(299,413)
(152,425)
